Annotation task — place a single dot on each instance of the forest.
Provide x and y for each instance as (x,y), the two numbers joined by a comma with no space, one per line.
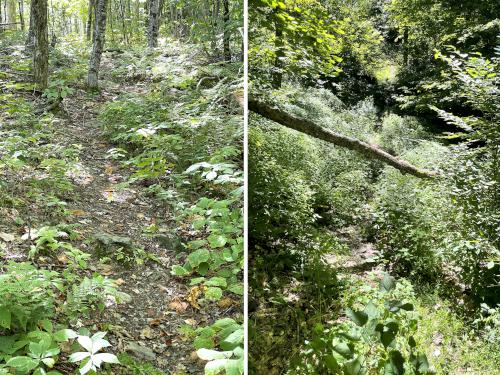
(373,187)
(121,187)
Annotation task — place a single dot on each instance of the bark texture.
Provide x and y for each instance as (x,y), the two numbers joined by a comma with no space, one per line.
(226,35)
(41,44)
(90,17)
(30,40)
(327,135)
(99,36)
(154,8)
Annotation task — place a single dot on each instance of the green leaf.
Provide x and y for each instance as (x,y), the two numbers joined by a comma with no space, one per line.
(358,317)
(65,335)
(421,364)
(179,271)
(198,257)
(213,293)
(395,365)
(388,283)
(331,363)
(217,281)
(354,367)
(5,317)
(344,350)
(22,363)
(237,288)
(236,337)
(217,240)
(234,366)
(215,367)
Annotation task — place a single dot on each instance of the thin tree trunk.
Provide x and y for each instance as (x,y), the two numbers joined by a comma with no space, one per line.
(99,38)
(30,40)
(21,14)
(41,45)
(327,135)
(226,34)
(124,28)
(90,14)
(153,22)
(11,14)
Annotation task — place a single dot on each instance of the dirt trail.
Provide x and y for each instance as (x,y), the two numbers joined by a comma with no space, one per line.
(361,257)
(146,327)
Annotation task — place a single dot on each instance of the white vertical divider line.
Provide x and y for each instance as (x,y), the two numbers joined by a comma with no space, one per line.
(245,174)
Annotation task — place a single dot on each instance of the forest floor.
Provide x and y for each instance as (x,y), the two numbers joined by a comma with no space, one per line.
(148,325)
(106,215)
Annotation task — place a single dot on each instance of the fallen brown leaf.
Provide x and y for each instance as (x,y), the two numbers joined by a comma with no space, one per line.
(193,295)
(178,305)
(147,333)
(226,302)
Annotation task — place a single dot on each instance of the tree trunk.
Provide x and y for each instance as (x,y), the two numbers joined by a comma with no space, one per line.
(41,44)
(153,24)
(90,14)
(314,130)
(11,14)
(226,35)
(99,37)
(21,14)
(30,40)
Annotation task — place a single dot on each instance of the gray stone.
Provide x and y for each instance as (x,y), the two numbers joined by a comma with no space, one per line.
(141,352)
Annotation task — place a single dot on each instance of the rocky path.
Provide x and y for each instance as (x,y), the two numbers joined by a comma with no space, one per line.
(147,327)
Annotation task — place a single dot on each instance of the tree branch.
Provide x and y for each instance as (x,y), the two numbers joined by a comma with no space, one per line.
(314,130)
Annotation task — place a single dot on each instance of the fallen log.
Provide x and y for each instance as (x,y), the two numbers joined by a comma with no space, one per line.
(314,130)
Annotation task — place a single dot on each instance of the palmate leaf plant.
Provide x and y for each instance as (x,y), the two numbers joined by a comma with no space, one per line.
(91,359)
(377,338)
(228,336)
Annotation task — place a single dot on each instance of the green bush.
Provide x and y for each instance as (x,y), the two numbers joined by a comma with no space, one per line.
(28,296)
(408,218)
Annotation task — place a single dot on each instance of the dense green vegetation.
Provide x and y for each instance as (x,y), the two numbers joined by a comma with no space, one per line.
(356,267)
(121,224)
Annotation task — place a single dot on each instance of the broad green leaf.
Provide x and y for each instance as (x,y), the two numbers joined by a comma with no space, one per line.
(179,271)
(234,366)
(5,317)
(217,281)
(344,350)
(213,293)
(197,257)
(388,283)
(217,240)
(354,367)
(22,363)
(65,335)
(395,365)
(215,367)
(358,317)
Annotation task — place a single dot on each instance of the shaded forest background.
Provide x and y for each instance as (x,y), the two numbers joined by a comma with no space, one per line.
(374,223)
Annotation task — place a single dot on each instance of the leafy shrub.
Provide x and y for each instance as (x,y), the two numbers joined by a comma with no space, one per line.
(228,336)
(92,293)
(408,218)
(378,337)
(401,134)
(28,296)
